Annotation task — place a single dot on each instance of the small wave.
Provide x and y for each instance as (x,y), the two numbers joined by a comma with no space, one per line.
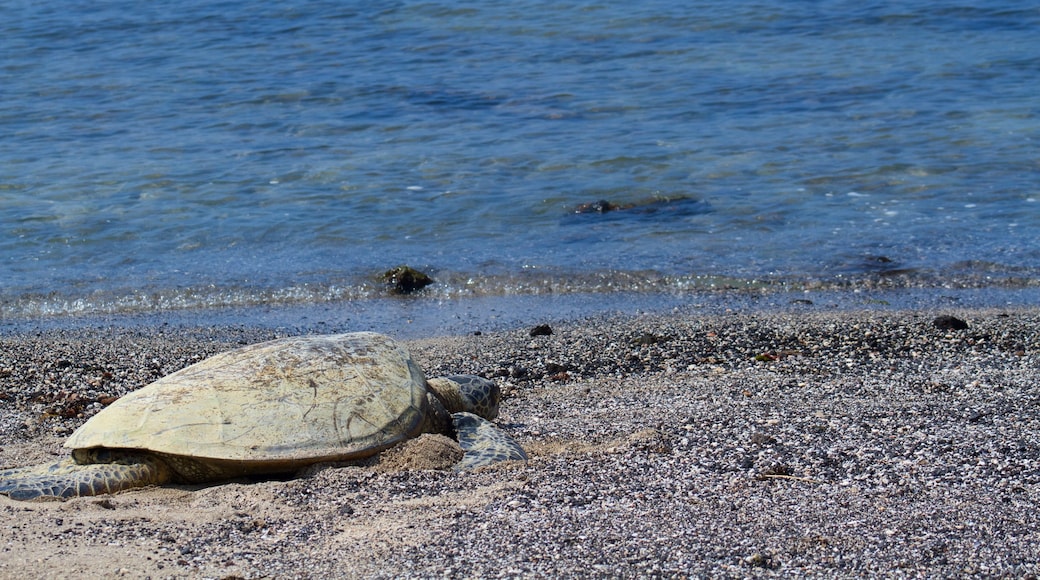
(459,286)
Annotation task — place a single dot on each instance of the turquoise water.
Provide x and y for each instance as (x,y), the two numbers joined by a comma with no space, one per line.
(204,154)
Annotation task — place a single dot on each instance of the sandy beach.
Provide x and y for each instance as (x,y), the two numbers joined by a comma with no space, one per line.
(820,444)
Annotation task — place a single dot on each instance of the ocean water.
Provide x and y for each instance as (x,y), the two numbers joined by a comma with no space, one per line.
(198,154)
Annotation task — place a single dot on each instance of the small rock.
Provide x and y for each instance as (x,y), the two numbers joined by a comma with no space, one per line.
(762,439)
(554,368)
(947,322)
(405,279)
(760,560)
(648,338)
(541,330)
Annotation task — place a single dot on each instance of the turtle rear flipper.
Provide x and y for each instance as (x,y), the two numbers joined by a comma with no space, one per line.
(483,442)
(66,478)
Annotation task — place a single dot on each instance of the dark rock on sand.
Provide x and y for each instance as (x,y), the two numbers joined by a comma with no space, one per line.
(946,322)
(541,330)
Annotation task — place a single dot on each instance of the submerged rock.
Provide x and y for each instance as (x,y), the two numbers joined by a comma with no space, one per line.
(601,206)
(654,207)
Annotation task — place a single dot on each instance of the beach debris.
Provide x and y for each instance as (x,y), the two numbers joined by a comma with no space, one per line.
(405,279)
(270,408)
(946,322)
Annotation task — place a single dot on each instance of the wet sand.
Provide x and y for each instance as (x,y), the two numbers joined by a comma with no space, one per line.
(815,444)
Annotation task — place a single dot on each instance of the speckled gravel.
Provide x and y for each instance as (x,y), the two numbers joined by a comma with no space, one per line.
(813,444)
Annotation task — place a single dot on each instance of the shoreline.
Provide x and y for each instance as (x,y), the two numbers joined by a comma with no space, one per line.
(423,315)
(752,442)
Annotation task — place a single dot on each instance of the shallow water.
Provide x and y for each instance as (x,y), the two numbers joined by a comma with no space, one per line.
(219,154)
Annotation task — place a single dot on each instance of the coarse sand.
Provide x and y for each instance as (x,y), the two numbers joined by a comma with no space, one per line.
(820,444)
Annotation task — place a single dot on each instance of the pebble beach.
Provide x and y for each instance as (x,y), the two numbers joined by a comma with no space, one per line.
(812,444)
(758,279)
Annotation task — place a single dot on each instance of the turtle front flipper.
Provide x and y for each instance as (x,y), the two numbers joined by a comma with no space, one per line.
(66,478)
(483,442)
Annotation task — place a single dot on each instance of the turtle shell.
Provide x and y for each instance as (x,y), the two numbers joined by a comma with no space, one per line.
(301,399)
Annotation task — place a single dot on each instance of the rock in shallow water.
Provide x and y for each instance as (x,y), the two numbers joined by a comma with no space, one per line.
(405,280)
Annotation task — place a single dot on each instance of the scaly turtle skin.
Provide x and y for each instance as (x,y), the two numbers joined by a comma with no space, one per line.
(270,408)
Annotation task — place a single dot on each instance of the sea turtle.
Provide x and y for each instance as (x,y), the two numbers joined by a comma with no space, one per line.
(269,408)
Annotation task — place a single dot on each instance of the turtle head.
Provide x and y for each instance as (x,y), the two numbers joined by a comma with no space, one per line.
(468,393)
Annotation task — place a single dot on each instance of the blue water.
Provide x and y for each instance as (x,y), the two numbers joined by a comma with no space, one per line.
(196,154)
